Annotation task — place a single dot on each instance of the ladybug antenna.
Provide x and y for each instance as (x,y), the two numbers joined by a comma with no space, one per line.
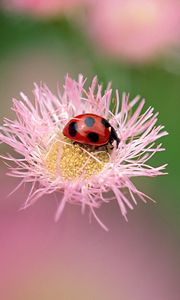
(117,142)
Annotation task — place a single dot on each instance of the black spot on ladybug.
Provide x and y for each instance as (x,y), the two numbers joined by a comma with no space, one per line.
(73,129)
(105,123)
(93,137)
(89,121)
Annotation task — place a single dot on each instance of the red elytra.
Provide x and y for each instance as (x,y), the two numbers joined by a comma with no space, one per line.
(90,129)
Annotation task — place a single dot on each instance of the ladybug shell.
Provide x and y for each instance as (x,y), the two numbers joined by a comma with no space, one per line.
(88,129)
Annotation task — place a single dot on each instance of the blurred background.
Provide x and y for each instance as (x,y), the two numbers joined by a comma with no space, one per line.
(136,45)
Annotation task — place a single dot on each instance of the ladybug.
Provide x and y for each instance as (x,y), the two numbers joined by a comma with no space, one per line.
(90,129)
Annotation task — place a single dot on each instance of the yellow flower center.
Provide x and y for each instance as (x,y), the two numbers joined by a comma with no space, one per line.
(72,160)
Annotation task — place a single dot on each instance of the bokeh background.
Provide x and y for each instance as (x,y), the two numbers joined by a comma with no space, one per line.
(136,45)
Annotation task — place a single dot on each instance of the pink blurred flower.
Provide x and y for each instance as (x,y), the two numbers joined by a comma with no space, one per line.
(42,8)
(137,30)
(36,136)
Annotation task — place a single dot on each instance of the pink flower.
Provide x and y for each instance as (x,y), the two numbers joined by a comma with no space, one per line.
(81,174)
(137,30)
(43,8)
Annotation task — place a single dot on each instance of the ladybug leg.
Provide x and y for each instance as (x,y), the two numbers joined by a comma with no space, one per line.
(94,147)
(109,146)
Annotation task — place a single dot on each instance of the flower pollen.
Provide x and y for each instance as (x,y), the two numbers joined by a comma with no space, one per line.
(73,161)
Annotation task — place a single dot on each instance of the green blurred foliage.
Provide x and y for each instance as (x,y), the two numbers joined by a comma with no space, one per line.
(160,88)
